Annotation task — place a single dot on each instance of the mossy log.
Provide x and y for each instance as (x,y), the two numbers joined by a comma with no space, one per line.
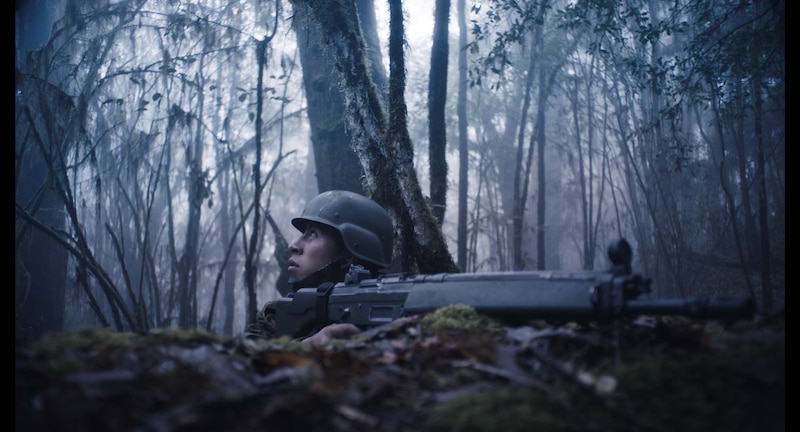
(452,370)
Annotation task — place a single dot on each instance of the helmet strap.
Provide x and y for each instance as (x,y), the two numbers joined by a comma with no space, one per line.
(334,271)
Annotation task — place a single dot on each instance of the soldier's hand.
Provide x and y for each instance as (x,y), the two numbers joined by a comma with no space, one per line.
(332,331)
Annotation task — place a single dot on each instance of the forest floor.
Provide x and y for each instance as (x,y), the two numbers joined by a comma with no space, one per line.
(451,370)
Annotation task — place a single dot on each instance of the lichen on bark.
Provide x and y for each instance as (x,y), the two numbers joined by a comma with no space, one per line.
(382,144)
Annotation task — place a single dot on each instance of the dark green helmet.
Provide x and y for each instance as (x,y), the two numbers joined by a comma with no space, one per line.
(365,227)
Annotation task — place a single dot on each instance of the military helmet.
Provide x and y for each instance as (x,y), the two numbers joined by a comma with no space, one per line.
(365,227)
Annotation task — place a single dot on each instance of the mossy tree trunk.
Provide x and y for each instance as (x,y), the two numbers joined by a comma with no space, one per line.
(437,98)
(337,166)
(385,152)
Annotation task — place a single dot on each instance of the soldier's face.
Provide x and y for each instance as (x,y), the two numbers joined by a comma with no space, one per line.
(314,249)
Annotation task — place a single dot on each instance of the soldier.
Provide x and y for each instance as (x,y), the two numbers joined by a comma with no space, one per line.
(342,233)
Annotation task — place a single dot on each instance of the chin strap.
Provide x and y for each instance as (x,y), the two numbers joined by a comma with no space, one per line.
(332,272)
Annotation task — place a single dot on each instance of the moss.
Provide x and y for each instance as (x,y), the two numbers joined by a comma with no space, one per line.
(507,409)
(82,339)
(284,343)
(193,335)
(88,348)
(99,338)
(676,376)
(460,317)
(740,390)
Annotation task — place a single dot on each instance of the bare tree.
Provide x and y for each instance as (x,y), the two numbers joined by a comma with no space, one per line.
(251,249)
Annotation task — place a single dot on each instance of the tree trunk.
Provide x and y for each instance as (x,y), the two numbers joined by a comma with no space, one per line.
(745,182)
(40,263)
(187,268)
(761,178)
(634,184)
(337,165)
(541,223)
(225,200)
(369,28)
(463,140)
(581,171)
(546,83)
(252,248)
(437,98)
(40,272)
(387,160)
(519,200)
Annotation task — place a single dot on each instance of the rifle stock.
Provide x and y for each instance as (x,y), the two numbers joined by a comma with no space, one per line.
(512,297)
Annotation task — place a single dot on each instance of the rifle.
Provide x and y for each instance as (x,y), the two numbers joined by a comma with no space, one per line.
(512,297)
